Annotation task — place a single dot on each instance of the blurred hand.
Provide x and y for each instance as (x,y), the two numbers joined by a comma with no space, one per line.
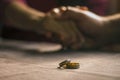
(89,24)
(65,31)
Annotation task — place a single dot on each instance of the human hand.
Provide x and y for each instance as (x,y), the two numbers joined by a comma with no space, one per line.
(87,21)
(65,30)
(91,25)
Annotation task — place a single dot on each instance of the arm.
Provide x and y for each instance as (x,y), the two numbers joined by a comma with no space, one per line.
(102,30)
(22,16)
(113,22)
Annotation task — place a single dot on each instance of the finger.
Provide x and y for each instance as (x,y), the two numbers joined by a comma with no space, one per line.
(66,37)
(82,7)
(63,9)
(57,12)
(55,27)
(59,9)
(75,37)
(71,14)
(79,39)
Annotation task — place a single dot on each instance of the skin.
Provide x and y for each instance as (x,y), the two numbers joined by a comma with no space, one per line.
(27,18)
(99,31)
(92,30)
